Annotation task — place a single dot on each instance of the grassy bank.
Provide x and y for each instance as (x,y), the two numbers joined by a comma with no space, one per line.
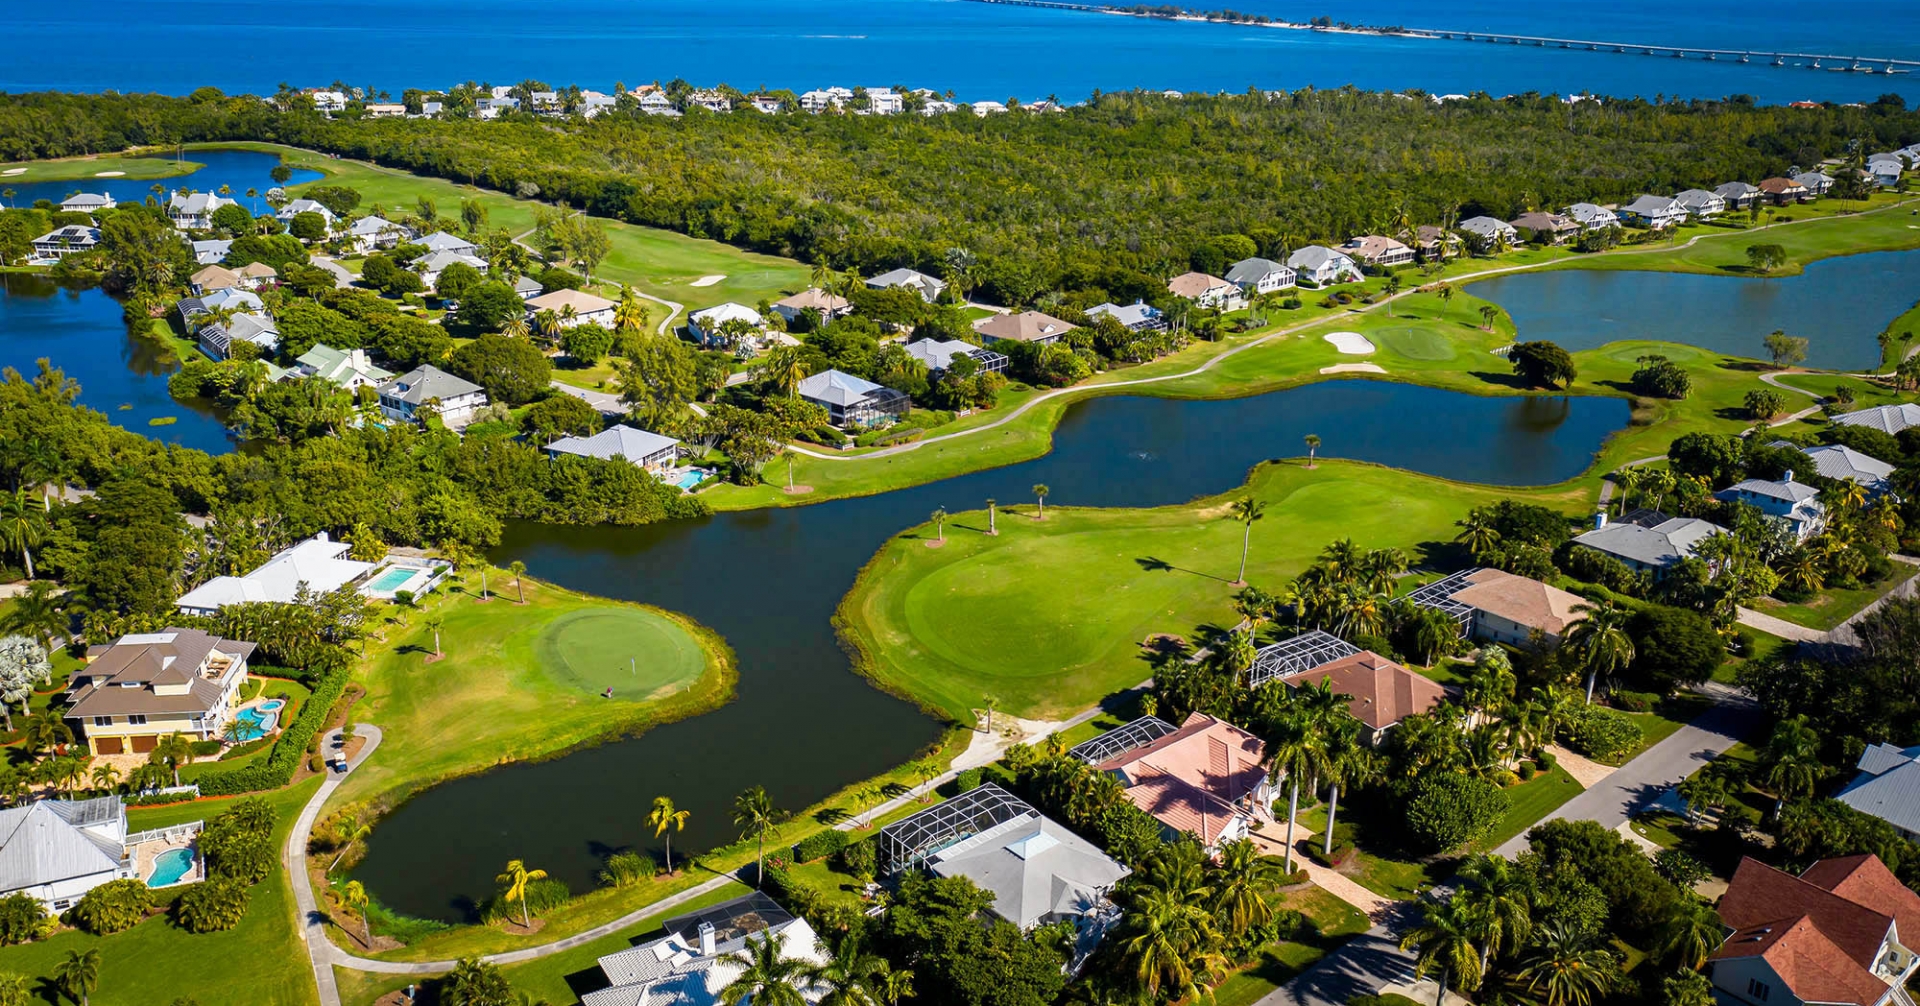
(77,169)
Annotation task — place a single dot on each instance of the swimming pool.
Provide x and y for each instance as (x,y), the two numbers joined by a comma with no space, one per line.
(257,721)
(392,578)
(690,478)
(170,866)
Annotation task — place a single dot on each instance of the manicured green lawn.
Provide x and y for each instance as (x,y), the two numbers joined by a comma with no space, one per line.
(1334,922)
(1834,605)
(259,961)
(1528,802)
(1660,723)
(1048,616)
(81,169)
(1394,878)
(635,653)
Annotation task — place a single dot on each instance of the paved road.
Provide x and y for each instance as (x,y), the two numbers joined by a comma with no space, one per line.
(341,277)
(313,928)
(604,403)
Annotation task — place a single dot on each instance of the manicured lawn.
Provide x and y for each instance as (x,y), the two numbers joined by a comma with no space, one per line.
(1660,723)
(79,169)
(259,961)
(1834,605)
(994,615)
(1395,878)
(1836,231)
(635,654)
(1333,921)
(1528,802)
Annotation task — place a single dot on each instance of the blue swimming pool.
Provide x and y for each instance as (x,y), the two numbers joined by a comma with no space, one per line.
(391,579)
(256,722)
(690,478)
(170,866)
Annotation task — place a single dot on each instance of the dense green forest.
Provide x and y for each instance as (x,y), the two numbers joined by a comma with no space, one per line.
(1114,195)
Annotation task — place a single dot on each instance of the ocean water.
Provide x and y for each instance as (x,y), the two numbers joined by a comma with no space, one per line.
(978,50)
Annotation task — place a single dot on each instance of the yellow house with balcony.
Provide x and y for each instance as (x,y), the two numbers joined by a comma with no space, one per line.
(143,687)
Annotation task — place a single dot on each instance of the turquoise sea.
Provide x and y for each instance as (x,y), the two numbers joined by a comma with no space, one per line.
(980,51)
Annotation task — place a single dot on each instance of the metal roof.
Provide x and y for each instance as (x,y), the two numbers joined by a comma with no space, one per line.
(1122,739)
(910,841)
(1303,652)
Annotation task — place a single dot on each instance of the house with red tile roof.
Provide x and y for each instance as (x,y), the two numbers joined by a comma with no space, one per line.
(1829,935)
(1380,692)
(1207,777)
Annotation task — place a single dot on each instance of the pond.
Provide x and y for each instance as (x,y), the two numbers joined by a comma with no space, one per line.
(803,724)
(1839,304)
(239,170)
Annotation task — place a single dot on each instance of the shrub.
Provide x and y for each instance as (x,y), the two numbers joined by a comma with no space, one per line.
(1526,771)
(1673,646)
(205,749)
(1342,851)
(1600,733)
(542,896)
(624,869)
(276,770)
(1683,870)
(113,907)
(244,856)
(860,858)
(967,779)
(243,750)
(161,799)
(1633,702)
(1448,811)
(21,919)
(819,845)
(1545,760)
(215,906)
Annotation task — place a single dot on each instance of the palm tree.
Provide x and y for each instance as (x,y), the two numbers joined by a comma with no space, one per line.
(1487,315)
(1499,898)
(1174,945)
(79,975)
(1442,942)
(518,569)
(1689,933)
(939,519)
(1445,290)
(1391,288)
(1246,510)
(756,817)
(896,984)
(849,976)
(173,751)
(1565,971)
(517,878)
(767,977)
(1348,761)
(38,614)
(1298,753)
(22,525)
(667,819)
(435,622)
(45,730)
(787,369)
(355,897)
(351,829)
(1601,641)
(1792,760)
(1240,885)
(1313,447)
(105,777)
(1040,491)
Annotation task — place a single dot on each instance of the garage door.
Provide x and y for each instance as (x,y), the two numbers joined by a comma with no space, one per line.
(108,745)
(142,745)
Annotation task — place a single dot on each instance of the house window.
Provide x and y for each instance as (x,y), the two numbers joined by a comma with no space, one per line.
(103,721)
(1758,989)
(137,720)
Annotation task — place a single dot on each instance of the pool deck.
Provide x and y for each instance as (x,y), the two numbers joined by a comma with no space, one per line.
(146,853)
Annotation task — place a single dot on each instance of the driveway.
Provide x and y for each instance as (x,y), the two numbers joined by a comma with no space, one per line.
(602,402)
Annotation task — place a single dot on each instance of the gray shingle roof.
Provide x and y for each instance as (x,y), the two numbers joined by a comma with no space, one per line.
(442,241)
(1790,492)
(620,441)
(1651,206)
(1247,272)
(1661,545)
(418,385)
(1313,257)
(837,387)
(1888,786)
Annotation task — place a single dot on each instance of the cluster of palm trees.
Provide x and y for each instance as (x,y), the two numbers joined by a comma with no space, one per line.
(851,975)
(1494,931)
(1312,739)
(1188,918)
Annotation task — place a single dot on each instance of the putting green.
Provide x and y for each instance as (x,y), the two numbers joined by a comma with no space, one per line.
(635,652)
(1414,343)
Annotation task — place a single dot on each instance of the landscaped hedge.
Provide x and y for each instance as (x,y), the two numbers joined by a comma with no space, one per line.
(277,769)
(819,845)
(1600,733)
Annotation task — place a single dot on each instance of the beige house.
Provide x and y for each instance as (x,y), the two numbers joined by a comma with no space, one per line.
(140,688)
(1027,326)
(1378,250)
(829,305)
(1207,291)
(1495,606)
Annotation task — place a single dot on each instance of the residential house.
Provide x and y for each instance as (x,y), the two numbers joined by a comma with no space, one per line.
(492,108)
(319,563)
(194,211)
(1495,606)
(1138,316)
(386,110)
(853,401)
(766,104)
(1038,872)
(371,234)
(1377,250)
(1796,503)
(926,286)
(432,264)
(1831,935)
(639,448)
(1648,541)
(938,354)
(1550,227)
(1593,218)
(140,688)
(594,103)
(1838,461)
(527,288)
(441,241)
(213,278)
(703,953)
(1322,266)
(454,399)
(708,326)
(983,109)
(573,307)
(712,101)
(1653,212)
(828,305)
(936,106)
(1887,787)
(1491,232)
(885,101)
(1788,190)
(1026,326)
(329,102)
(232,299)
(1739,195)
(217,338)
(55,851)
(348,368)
(60,242)
(430,110)
(1433,242)
(1885,418)
(546,103)
(210,252)
(1886,170)
(1256,276)
(1701,204)
(825,99)
(1816,184)
(657,103)
(1207,291)
(87,202)
(1381,692)
(1205,777)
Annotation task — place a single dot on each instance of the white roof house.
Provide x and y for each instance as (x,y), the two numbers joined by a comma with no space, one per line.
(299,206)
(1137,315)
(638,447)
(1654,212)
(1322,265)
(850,399)
(1838,461)
(1592,217)
(928,287)
(440,241)
(706,324)
(1036,870)
(458,398)
(87,202)
(369,233)
(319,562)
(1885,418)
(938,354)
(210,252)
(348,368)
(1888,787)
(1701,204)
(1650,547)
(63,241)
(1490,229)
(1796,503)
(217,339)
(194,211)
(1260,275)
(699,956)
(54,851)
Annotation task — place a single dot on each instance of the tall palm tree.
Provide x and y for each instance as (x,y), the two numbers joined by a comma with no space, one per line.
(1689,933)
(667,819)
(939,519)
(517,877)
(1391,288)
(22,525)
(1477,533)
(1498,897)
(1313,447)
(1564,971)
(38,614)
(1240,885)
(1792,760)
(787,369)
(1246,510)
(79,975)
(351,829)
(767,976)
(756,817)
(1442,942)
(1600,641)
(1298,752)
(105,778)
(1040,492)
(1173,944)
(1349,761)
(895,985)
(354,894)
(435,622)
(518,570)
(173,751)
(850,977)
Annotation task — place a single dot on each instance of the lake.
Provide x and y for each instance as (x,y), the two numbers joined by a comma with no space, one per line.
(240,170)
(804,724)
(1839,304)
(980,51)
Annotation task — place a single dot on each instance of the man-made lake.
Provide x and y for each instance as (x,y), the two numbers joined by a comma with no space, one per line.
(980,51)
(1839,304)
(769,581)
(238,170)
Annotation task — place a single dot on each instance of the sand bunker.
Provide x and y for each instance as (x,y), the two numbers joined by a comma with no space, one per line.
(1350,343)
(109,174)
(708,280)
(14,171)
(1354,368)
